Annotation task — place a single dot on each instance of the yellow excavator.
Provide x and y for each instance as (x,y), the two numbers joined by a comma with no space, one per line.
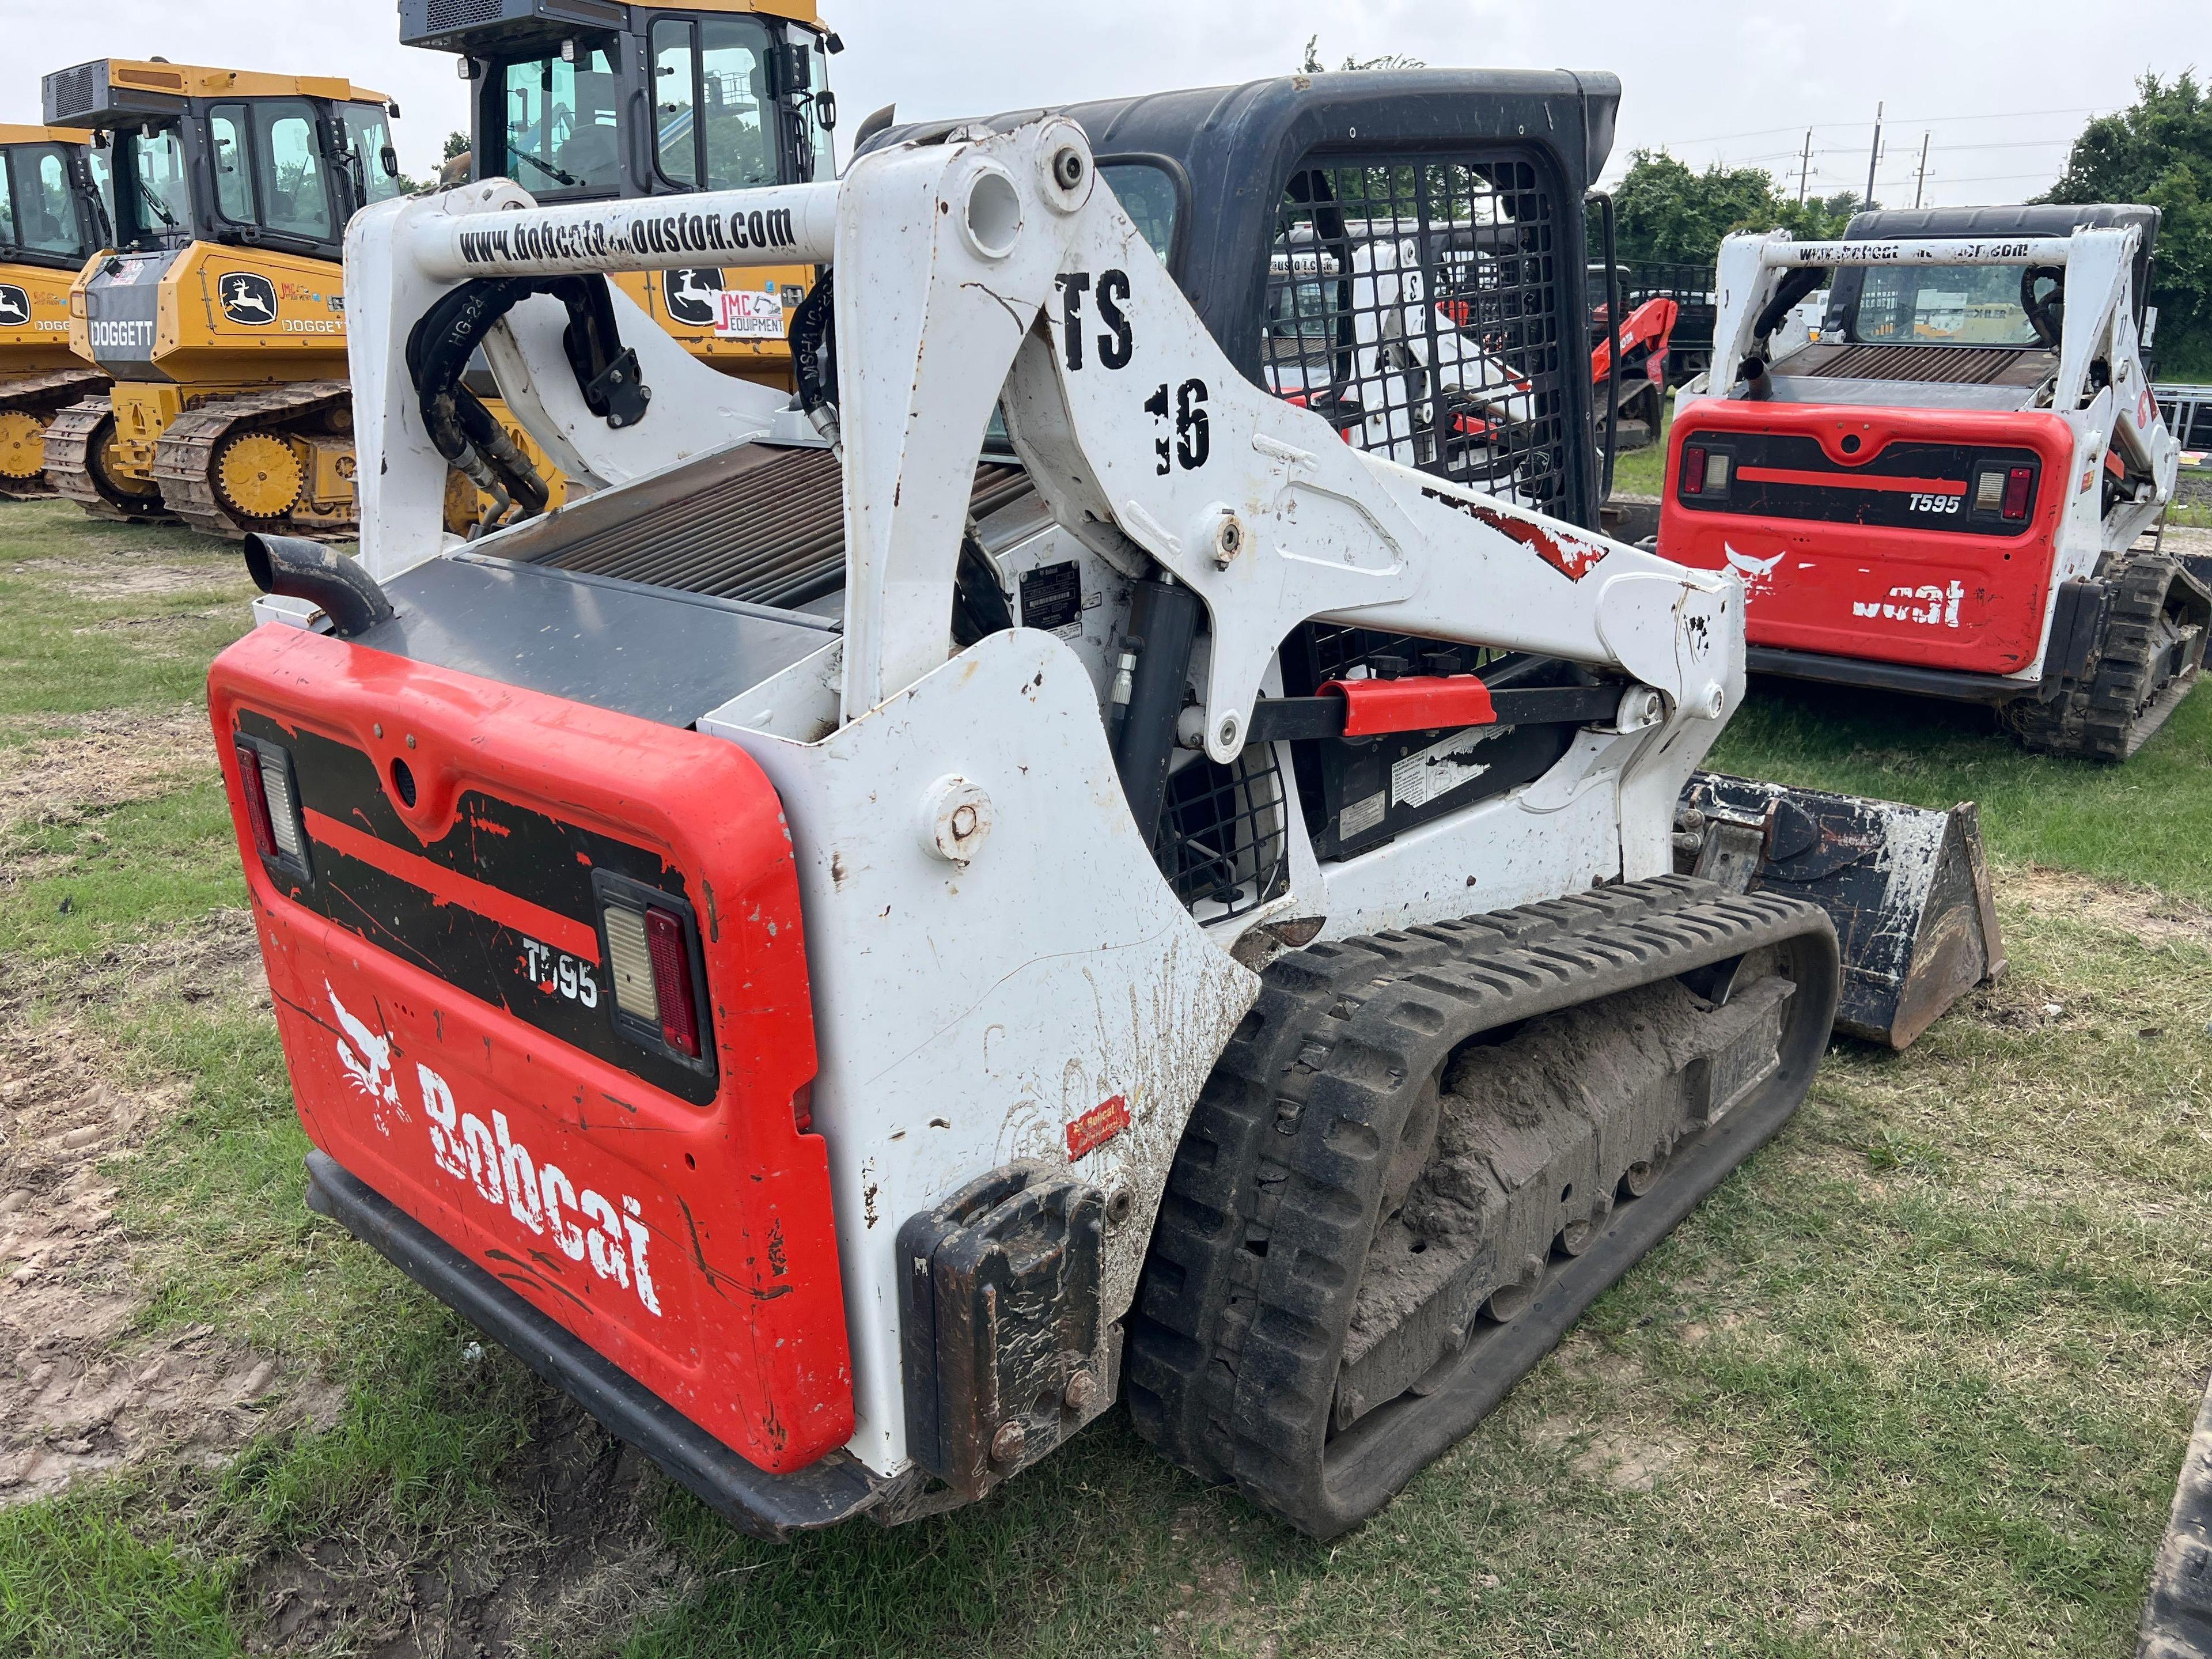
(52,220)
(219,311)
(615,101)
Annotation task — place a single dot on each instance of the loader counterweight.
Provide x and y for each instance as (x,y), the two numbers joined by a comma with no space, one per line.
(435,917)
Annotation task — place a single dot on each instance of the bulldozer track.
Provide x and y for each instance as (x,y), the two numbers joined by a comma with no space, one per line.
(43,396)
(2146,662)
(184,460)
(2177,1621)
(71,443)
(1275,1205)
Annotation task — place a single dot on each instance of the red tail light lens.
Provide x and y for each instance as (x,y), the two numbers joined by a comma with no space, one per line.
(257,800)
(651,941)
(2019,488)
(672,981)
(1694,471)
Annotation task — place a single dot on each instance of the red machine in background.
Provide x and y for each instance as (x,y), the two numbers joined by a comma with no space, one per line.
(1943,493)
(1646,333)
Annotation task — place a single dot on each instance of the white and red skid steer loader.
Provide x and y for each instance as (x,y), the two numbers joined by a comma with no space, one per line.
(1037,871)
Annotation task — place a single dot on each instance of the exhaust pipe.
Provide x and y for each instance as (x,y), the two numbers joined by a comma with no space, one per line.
(301,569)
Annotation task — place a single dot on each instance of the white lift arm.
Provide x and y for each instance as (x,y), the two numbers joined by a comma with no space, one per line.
(987,271)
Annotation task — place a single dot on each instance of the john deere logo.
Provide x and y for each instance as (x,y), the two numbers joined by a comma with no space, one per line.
(691,297)
(15,306)
(248,298)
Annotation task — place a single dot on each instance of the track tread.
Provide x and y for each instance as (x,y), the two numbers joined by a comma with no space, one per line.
(69,440)
(2125,699)
(184,460)
(1233,1349)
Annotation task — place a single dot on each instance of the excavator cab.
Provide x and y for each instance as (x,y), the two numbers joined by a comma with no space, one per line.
(739,99)
(219,313)
(52,219)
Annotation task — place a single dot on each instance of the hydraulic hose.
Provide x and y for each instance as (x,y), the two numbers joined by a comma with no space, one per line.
(1165,617)
(460,426)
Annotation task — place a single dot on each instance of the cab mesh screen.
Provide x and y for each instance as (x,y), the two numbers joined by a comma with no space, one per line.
(1415,301)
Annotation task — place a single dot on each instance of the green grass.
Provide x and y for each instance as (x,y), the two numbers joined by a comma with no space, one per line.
(146,867)
(1917,1380)
(78,1580)
(1642,471)
(65,650)
(2147,821)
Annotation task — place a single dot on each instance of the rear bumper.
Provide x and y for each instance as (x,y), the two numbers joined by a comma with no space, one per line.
(835,1488)
(1992,689)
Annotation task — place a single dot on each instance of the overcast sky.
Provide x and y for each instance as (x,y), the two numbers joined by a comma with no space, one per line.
(1998,87)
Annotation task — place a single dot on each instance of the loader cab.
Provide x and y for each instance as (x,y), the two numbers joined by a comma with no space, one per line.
(2010,307)
(53,216)
(1400,251)
(198,155)
(590,101)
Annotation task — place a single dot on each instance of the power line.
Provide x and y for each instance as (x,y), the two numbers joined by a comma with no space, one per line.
(1919,120)
(2001,177)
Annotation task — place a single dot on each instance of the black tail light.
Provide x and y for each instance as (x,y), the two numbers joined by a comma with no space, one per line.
(650,942)
(272,805)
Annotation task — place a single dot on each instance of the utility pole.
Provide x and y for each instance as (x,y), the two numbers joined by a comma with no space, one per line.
(1874,157)
(1920,182)
(1805,168)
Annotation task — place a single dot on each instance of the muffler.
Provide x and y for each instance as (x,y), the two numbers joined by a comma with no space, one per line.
(301,569)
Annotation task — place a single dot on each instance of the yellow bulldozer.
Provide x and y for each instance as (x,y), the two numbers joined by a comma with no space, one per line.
(51,222)
(614,101)
(219,311)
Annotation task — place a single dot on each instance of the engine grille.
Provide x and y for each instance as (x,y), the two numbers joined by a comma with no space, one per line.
(1415,301)
(74,92)
(769,529)
(463,13)
(1222,844)
(1939,365)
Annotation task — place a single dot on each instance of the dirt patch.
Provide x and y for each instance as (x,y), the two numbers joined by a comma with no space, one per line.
(129,576)
(2141,913)
(1219,1606)
(1628,1462)
(78,1392)
(107,760)
(593,1562)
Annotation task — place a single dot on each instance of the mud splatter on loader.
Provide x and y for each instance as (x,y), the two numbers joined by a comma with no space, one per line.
(1153,889)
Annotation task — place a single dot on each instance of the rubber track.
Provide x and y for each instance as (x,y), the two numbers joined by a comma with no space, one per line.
(184,460)
(47,395)
(1233,1353)
(2177,1621)
(2120,706)
(68,464)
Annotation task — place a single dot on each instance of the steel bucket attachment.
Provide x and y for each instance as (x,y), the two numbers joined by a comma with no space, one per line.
(1908,889)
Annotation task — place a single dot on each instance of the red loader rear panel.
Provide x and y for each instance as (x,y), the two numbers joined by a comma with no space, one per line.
(450,860)
(1926,536)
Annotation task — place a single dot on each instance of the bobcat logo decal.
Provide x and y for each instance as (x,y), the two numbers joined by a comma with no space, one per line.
(367,1058)
(1757,574)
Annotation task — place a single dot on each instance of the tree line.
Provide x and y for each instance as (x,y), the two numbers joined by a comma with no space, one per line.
(2156,151)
